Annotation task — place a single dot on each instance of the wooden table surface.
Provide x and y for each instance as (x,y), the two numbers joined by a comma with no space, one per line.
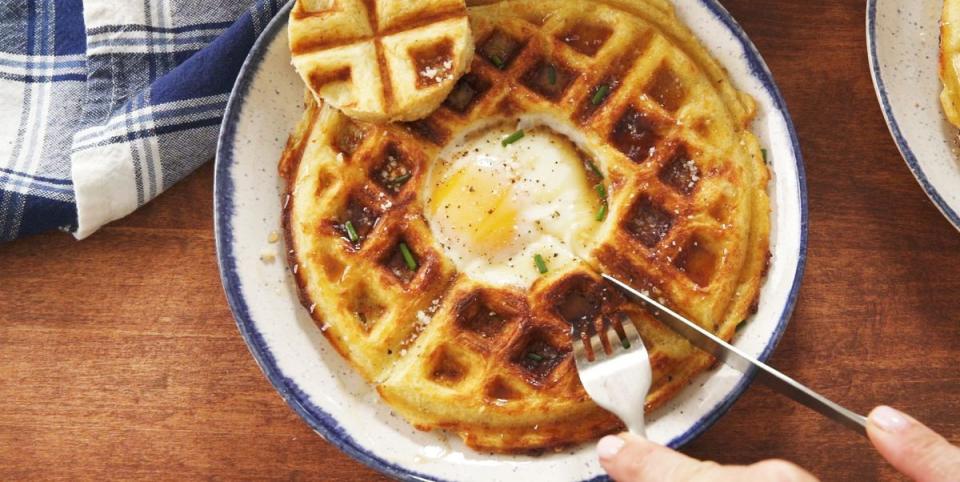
(119,356)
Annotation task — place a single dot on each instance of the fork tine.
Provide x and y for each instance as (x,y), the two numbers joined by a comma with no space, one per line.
(599,352)
(633,336)
(579,349)
(616,323)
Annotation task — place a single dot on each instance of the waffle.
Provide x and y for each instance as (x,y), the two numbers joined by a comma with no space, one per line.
(688,221)
(950,60)
(380,60)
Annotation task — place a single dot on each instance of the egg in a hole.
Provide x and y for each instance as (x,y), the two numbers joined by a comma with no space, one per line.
(511,200)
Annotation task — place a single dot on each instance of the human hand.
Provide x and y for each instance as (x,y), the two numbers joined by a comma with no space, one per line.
(912,448)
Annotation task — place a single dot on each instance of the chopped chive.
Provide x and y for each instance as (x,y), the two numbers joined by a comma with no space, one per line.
(401,179)
(601,94)
(408,257)
(541,264)
(625,343)
(497,61)
(535,357)
(764,152)
(601,191)
(552,74)
(602,213)
(593,167)
(351,232)
(516,136)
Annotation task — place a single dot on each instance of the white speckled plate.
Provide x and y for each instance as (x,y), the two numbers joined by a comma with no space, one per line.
(265,105)
(903,42)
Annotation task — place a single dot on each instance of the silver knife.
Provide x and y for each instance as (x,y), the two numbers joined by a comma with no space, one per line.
(746,364)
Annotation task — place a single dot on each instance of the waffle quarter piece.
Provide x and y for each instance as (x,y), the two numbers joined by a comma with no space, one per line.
(380,60)
(950,60)
(448,258)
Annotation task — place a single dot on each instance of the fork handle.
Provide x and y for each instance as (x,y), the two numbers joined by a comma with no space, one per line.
(637,427)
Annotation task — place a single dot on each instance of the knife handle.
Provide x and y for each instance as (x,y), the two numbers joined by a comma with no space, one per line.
(813,400)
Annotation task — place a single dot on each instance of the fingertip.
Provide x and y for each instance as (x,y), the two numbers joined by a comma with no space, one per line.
(888,419)
(608,447)
(888,430)
(885,427)
(623,455)
(910,446)
(639,459)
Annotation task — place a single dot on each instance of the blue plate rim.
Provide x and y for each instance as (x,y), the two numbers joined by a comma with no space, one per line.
(322,422)
(902,145)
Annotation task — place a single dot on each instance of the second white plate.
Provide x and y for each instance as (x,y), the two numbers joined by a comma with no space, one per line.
(903,44)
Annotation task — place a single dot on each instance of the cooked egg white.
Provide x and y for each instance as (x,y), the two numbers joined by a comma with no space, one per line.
(494,208)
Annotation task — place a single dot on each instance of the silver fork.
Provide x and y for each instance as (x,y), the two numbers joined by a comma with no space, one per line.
(616,375)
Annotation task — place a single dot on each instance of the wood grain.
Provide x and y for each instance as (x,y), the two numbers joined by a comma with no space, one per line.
(120,359)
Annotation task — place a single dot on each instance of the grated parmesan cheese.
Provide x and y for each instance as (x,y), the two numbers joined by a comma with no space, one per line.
(423,318)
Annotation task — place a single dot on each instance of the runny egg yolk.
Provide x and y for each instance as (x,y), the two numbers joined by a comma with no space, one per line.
(474,205)
(493,208)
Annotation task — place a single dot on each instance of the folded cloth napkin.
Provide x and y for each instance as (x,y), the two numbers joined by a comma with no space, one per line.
(106,103)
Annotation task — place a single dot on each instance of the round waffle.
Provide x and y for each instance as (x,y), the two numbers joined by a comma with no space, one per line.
(685,216)
(380,60)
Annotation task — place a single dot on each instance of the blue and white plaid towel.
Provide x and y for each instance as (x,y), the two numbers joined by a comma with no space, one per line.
(106,103)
